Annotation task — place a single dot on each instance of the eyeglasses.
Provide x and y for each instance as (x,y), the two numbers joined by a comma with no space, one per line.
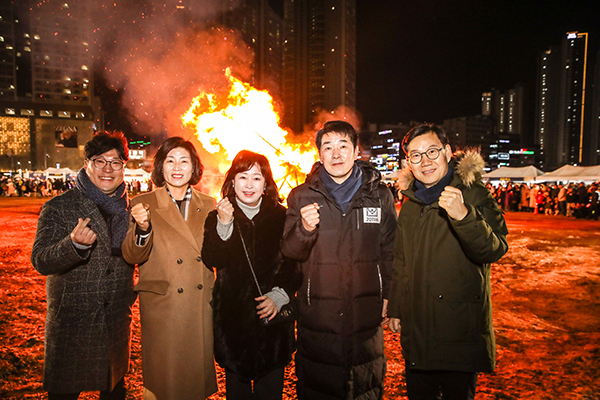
(417,157)
(100,163)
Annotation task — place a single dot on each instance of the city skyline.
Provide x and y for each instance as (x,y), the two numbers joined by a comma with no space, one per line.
(431,62)
(449,53)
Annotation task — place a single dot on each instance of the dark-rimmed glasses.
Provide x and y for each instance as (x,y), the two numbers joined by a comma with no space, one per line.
(417,157)
(100,163)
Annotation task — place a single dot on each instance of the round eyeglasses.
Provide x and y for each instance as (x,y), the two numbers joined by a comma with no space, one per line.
(100,163)
(417,157)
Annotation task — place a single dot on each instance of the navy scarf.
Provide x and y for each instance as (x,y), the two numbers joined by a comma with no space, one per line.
(114,206)
(432,194)
(342,193)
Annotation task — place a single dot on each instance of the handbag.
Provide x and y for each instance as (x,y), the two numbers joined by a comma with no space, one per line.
(288,312)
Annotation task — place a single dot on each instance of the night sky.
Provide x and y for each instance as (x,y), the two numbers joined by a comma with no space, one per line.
(431,60)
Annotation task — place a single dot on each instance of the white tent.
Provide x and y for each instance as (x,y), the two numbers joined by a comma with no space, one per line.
(136,174)
(58,172)
(518,173)
(391,176)
(572,173)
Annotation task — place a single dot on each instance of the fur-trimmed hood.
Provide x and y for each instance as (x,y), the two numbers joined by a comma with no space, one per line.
(467,164)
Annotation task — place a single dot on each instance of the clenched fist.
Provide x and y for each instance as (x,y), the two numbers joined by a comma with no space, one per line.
(452,201)
(310,216)
(225,210)
(82,234)
(141,214)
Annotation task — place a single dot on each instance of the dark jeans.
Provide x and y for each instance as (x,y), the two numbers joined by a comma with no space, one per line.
(118,393)
(268,387)
(440,385)
(562,207)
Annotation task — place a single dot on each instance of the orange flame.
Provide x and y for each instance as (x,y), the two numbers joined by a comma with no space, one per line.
(245,119)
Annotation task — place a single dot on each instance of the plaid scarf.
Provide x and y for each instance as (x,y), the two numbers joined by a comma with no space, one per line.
(114,206)
(184,204)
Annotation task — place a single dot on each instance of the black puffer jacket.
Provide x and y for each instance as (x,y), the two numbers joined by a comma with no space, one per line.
(242,344)
(346,268)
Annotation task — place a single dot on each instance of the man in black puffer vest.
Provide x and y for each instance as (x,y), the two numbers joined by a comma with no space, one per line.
(340,224)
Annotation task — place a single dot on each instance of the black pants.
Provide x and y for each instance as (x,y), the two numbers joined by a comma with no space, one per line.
(444,385)
(268,387)
(118,393)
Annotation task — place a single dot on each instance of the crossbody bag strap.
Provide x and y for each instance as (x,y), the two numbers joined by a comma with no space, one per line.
(248,258)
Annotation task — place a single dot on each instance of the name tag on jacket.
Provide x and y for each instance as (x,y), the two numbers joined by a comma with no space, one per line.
(372,215)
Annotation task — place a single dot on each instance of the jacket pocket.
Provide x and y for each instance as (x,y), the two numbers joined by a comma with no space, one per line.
(457,314)
(156,287)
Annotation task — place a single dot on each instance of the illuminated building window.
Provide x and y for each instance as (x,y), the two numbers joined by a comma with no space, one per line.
(64,114)
(26,112)
(46,113)
(15,137)
(10,111)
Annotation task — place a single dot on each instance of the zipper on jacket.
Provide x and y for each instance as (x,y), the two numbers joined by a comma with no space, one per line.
(357,220)
(380,284)
(308,292)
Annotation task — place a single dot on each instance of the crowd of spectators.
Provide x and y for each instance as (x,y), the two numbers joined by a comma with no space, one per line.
(49,187)
(33,187)
(576,200)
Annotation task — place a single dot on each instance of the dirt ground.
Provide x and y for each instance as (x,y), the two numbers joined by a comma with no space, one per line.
(545,297)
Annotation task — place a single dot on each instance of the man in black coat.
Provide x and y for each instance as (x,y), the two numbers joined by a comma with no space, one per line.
(89,286)
(340,224)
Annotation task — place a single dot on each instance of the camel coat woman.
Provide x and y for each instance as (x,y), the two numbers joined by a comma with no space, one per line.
(175,289)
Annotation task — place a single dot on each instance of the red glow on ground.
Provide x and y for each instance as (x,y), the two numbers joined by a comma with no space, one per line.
(546,313)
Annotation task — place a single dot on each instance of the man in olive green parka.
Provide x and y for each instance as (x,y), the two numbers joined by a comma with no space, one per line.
(449,231)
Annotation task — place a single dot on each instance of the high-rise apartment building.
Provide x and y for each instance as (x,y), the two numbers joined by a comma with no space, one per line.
(506,109)
(319,69)
(47,106)
(470,132)
(560,102)
(547,105)
(262,30)
(8,70)
(593,149)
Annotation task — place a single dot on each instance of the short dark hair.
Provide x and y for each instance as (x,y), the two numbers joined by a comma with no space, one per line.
(340,127)
(161,155)
(422,130)
(107,141)
(243,161)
